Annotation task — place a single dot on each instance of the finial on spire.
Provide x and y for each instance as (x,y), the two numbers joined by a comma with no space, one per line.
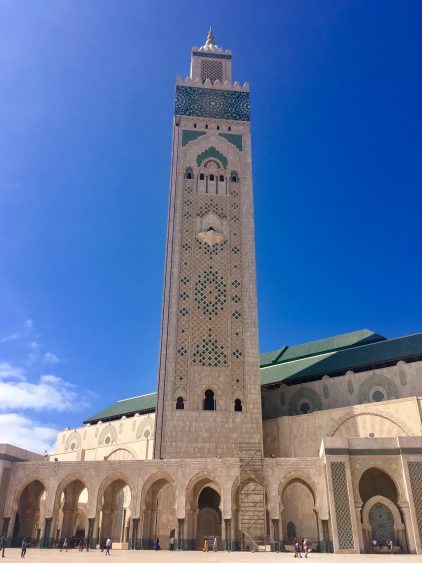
(210,38)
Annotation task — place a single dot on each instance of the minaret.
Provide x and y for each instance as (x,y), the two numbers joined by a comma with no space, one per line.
(209,397)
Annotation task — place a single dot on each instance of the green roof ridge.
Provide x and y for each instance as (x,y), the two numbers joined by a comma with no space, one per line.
(376,349)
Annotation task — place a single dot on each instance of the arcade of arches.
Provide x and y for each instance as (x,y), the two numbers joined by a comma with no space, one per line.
(367,497)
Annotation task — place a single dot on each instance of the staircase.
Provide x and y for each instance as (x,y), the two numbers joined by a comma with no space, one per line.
(252,517)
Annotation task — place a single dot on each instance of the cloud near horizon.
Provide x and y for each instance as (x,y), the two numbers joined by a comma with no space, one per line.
(22,431)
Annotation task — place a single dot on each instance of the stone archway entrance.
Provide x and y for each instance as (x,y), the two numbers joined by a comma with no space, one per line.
(209,515)
(381,517)
(159,512)
(72,512)
(30,515)
(115,513)
(204,518)
(381,520)
(298,515)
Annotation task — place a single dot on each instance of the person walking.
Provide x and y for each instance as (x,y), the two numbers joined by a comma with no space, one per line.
(305,547)
(24,546)
(205,545)
(157,544)
(214,545)
(108,545)
(172,540)
(390,545)
(3,541)
(297,548)
(64,546)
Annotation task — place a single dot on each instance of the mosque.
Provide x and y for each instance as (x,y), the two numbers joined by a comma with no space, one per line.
(321,440)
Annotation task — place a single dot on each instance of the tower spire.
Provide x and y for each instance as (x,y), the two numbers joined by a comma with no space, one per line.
(210,38)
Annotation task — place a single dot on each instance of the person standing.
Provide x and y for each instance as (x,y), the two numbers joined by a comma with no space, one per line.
(157,544)
(214,544)
(172,539)
(24,546)
(305,547)
(3,541)
(108,545)
(205,545)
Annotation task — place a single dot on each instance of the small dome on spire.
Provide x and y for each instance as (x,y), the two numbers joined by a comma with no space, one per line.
(210,44)
(210,38)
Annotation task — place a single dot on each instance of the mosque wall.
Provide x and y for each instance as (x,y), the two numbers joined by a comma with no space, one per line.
(301,435)
(372,386)
(124,439)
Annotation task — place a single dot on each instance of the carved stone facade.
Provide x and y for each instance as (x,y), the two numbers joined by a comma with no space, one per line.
(209,364)
(342,456)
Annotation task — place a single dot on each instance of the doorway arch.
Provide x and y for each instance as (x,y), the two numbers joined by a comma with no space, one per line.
(159,510)
(381,517)
(30,514)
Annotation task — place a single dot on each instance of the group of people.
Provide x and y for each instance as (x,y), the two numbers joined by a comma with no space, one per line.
(206,545)
(301,546)
(389,543)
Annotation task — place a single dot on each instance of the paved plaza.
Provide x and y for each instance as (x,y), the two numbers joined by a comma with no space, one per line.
(53,556)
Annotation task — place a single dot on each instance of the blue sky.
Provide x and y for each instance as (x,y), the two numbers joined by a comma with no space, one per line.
(86,101)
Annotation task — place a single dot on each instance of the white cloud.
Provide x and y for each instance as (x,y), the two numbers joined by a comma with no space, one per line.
(23,432)
(49,393)
(11,336)
(50,358)
(34,345)
(7,371)
(28,324)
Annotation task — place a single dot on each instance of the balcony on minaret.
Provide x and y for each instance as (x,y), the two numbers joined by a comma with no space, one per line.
(211,63)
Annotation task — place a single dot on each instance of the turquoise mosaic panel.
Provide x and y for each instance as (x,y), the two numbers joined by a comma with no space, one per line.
(212,152)
(216,104)
(234,139)
(211,55)
(188,136)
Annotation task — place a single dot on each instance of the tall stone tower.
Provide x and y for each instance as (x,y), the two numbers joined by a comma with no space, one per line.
(209,396)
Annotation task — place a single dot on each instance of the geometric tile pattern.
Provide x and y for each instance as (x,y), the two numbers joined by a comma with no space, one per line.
(212,70)
(377,380)
(304,394)
(341,504)
(415,474)
(216,104)
(209,323)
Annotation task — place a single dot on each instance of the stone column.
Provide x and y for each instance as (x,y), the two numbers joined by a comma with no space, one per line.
(358,512)
(91,533)
(133,541)
(227,524)
(274,534)
(408,524)
(46,542)
(326,544)
(180,534)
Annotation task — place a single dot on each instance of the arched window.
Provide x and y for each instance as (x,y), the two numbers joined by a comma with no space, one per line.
(238,405)
(180,403)
(209,401)
(291,530)
(189,175)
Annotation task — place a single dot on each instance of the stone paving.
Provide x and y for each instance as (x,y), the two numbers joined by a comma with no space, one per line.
(53,556)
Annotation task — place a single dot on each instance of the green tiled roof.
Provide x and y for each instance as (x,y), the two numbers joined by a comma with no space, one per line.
(313,367)
(347,340)
(351,351)
(141,404)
